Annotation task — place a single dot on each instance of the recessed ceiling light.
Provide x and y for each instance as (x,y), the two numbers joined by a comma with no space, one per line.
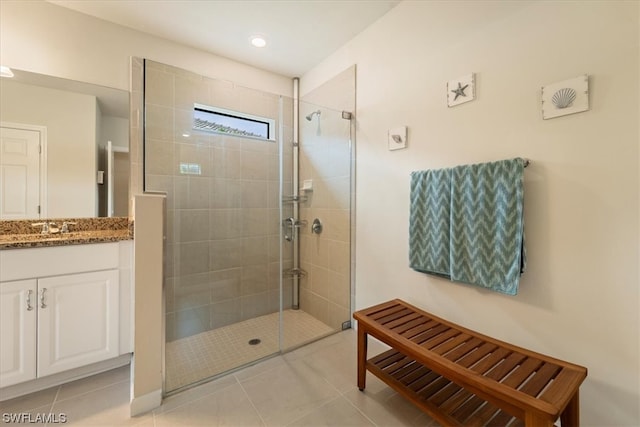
(5,71)
(258,41)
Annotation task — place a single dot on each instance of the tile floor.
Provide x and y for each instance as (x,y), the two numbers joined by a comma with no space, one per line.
(314,385)
(210,353)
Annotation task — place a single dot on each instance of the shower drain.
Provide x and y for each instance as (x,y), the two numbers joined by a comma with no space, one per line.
(254,341)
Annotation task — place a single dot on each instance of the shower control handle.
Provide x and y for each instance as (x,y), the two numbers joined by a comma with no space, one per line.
(316,227)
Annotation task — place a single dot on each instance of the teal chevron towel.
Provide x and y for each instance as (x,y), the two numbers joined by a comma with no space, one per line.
(487,225)
(429,221)
(467,224)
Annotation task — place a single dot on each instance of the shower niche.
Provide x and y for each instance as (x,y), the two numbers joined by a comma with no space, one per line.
(245,278)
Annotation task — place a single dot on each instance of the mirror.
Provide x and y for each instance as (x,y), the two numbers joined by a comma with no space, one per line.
(54,148)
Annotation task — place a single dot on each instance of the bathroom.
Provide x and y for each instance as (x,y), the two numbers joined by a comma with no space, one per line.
(581,188)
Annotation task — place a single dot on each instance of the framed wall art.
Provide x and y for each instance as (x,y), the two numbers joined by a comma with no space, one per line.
(565,97)
(461,90)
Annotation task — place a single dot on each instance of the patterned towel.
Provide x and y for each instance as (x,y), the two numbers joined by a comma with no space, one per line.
(487,225)
(429,221)
(467,224)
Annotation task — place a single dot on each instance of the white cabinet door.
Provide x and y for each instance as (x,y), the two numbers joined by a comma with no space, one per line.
(17,332)
(78,320)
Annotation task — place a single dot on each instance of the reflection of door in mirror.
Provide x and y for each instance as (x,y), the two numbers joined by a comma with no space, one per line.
(79,119)
(20,171)
(117,180)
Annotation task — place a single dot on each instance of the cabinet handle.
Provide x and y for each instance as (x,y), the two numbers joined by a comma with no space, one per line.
(42,303)
(29,306)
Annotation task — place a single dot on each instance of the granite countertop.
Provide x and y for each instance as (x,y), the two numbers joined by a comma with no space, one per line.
(17,234)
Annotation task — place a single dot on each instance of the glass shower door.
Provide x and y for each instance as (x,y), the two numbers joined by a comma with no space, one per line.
(324,232)
(224,255)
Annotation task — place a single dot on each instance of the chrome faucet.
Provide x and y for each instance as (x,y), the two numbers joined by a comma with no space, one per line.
(65,226)
(47,227)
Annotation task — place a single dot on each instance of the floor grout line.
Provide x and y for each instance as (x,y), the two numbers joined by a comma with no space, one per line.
(75,396)
(344,396)
(251,403)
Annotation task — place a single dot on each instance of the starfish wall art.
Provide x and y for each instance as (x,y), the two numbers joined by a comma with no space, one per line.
(461,90)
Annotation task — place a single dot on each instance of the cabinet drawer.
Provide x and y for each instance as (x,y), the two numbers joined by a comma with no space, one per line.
(20,264)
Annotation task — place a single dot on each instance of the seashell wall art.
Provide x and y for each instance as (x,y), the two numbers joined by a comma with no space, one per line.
(565,97)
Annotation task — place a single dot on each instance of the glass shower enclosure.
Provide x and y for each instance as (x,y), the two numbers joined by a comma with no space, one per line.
(232,293)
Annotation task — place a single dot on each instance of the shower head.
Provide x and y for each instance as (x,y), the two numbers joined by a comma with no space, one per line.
(310,116)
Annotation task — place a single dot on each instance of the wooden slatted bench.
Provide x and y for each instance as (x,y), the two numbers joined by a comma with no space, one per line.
(463,378)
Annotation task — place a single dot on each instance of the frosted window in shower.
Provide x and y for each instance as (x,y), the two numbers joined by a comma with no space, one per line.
(228,122)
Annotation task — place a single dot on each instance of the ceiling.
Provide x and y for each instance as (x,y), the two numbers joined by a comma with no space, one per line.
(299,33)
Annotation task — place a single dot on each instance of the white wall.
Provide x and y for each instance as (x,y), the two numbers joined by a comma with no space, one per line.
(71,122)
(579,298)
(48,39)
(116,130)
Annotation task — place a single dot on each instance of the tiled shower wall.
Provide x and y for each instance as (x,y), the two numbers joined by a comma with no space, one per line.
(223,226)
(326,157)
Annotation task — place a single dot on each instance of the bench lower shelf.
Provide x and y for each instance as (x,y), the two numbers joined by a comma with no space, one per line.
(439,397)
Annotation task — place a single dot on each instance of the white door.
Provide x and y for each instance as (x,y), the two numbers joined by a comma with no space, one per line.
(17,332)
(78,320)
(19,173)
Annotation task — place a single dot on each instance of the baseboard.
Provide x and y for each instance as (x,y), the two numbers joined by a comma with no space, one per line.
(145,403)
(43,383)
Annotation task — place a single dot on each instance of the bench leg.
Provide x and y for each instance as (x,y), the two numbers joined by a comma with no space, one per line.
(362,357)
(570,417)
(533,420)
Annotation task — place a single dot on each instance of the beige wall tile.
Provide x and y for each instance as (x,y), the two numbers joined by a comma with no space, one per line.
(254,222)
(339,289)
(254,194)
(190,89)
(159,157)
(254,250)
(225,284)
(192,257)
(158,122)
(225,224)
(254,165)
(225,193)
(225,254)
(226,163)
(254,305)
(159,87)
(225,312)
(319,279)
(339,257)
(199,154)
(192,225)
(254,279)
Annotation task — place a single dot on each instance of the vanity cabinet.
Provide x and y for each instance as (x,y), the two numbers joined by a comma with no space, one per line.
(54,323)
(17,332)
(77,320)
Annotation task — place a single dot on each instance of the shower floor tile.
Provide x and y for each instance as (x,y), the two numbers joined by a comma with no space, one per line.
(210,353)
